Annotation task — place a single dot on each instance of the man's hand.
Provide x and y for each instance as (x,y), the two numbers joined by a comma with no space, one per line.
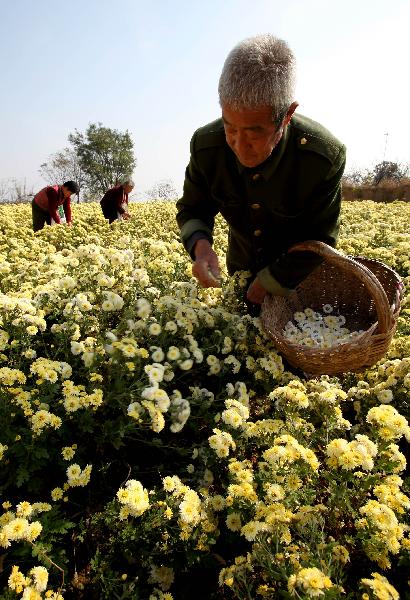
(68,223)
(206,267)
(126,216)
(256,292)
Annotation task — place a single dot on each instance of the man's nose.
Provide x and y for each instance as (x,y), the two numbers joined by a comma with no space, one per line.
(240,142)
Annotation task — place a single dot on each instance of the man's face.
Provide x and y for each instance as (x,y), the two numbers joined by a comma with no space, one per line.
(250,133)
(66,192)
(128,189)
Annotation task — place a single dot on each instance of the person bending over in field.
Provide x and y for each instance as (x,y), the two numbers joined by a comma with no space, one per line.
(273,174)
(114,203)
(45,205)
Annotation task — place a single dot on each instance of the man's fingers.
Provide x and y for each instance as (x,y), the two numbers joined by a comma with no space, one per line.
(215,277)
(199,271)
(214,270)
(256,292)
(204,274)
(206,267)
(213,267)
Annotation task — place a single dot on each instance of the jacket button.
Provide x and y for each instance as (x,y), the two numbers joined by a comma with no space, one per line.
(257,232)
(256,176)
(303,141)
(255,206)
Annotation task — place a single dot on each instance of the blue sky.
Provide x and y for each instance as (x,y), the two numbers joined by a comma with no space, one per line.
(152,67)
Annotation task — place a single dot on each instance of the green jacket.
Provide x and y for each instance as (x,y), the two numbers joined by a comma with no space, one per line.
(295,195)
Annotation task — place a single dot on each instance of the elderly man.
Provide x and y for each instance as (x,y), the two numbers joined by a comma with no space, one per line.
(114,203)
(274,175)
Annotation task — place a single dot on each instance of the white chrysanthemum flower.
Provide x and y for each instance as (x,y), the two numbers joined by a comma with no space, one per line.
(143,308)
(135,410)
(155,372)
(24,509)
(384,396)
(185,365)
(158,355)
(107,306)
(233,521)
(154,329)
(16,529)
(171,326)
(173,353)
(77,348)
(40,578)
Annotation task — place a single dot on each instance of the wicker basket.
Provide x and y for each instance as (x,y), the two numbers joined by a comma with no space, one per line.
(365,291)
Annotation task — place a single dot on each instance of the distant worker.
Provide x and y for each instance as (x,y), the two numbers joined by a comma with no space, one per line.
(114,203)
(46,204)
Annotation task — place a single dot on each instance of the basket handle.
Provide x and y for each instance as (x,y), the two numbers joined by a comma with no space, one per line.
(369,280)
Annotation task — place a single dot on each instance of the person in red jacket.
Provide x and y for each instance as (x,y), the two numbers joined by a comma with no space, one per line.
(114,203)
(46,203)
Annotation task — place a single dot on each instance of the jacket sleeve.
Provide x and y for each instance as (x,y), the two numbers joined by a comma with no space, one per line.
(52,197)
(67,209)
(120,197)
(321,223)
(195,210)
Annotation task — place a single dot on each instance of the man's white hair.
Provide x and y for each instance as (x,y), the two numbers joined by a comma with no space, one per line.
(259,71)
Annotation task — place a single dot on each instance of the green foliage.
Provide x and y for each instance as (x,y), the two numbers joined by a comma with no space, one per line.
(105,155)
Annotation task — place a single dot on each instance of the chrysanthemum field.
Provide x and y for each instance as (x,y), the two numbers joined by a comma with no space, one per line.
(154,446)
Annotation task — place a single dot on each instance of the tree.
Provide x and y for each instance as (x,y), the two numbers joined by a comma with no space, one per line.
(105,155)
(163,190)
(356,177)
(64,166)
(389,171)
(385,171)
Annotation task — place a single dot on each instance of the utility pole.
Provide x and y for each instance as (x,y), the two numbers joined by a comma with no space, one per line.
(386,135)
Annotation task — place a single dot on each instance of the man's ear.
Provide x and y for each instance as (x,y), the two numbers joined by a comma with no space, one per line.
(290,112)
